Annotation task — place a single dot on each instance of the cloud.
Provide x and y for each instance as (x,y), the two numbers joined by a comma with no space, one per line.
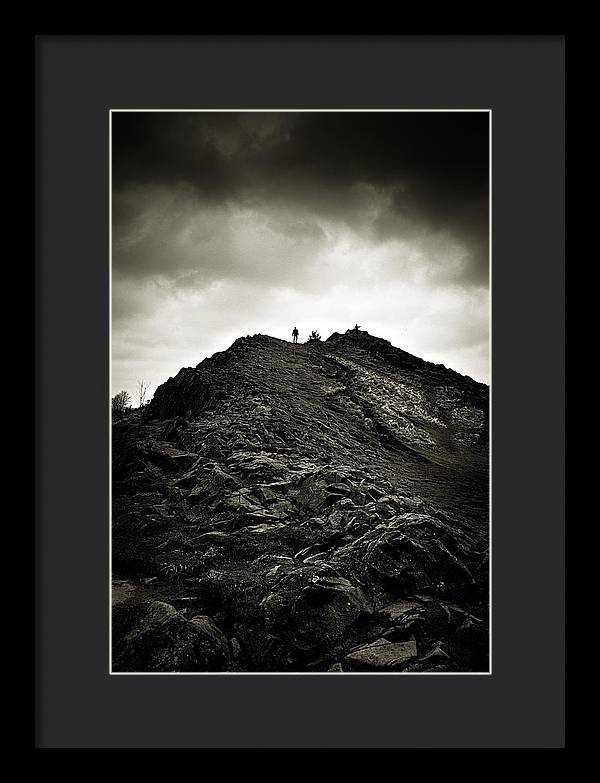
(426,171)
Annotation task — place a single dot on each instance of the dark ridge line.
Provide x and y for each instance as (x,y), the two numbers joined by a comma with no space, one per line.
(348,337)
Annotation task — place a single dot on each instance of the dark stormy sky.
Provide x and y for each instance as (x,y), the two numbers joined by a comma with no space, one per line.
(231,223)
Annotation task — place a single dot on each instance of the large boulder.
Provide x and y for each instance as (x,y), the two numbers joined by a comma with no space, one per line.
(323,611)
(307,612)
(164,640)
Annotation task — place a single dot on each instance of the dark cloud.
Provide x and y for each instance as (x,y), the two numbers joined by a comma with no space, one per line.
(431,168)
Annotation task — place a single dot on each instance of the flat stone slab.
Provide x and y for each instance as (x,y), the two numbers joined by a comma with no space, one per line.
(398,608)
(383,654)
(261,528)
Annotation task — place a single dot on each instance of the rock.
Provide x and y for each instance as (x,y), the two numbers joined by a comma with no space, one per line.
(398,608)
(309,612)
(375,492)
(340,489)
(383,654)
(265,495)
(427,623)
(436,653)
(211,642)
(324,610)
(238,501)
(261,517)
(166,456)
(209,485)
(316,559)
(472,632)
(282,509)
(121,590)
(310,551)
(173,428)
(263,528)
(359,499)
(430,667)
(311,494)
(336,667)
(258,466)
(163,640)
(331,498)
(410,555)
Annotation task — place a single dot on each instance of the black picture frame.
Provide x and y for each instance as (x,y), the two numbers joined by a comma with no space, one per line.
(78,80)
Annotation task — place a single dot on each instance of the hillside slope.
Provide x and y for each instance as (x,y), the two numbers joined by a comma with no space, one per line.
(308,507)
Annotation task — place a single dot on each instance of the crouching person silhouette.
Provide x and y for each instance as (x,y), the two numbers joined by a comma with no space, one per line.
(295,335)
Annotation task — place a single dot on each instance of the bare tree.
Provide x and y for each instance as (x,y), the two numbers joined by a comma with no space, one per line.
(141,392)
(120,403)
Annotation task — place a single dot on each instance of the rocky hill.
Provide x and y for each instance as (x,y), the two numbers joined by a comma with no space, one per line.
(313,507)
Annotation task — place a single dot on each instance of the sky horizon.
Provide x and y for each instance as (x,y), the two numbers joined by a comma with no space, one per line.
(232,224)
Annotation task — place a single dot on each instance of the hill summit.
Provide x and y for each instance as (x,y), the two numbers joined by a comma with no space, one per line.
(303,507)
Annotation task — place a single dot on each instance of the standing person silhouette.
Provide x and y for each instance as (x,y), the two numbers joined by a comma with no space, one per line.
(295,335)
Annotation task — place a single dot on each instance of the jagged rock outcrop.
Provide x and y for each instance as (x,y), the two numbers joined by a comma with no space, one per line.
(324,506)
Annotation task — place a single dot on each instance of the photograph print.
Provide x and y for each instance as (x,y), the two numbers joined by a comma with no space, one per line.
(300,389)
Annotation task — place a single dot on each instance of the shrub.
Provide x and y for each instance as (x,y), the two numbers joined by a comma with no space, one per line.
(120,404)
